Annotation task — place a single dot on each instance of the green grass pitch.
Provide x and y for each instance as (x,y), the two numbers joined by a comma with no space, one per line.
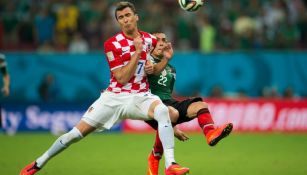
(122,154)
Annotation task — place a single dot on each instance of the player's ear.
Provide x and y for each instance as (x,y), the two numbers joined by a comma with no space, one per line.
(136,17)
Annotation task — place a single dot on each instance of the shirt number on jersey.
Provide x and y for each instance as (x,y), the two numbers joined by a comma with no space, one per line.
(140,66)
(162,80)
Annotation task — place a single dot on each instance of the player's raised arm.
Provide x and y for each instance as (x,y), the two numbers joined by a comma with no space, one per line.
(124,73)
(163,51)
(167,55)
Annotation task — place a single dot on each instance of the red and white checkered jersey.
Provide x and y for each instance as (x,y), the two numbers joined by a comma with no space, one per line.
(118,50)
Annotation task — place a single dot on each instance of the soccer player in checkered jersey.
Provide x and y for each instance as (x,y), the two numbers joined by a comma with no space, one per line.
(6,76)
(127,96)
(162,84)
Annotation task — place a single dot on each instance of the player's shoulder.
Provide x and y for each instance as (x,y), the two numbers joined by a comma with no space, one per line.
(149,38)
(112,39)
(172,68)
(147,35)
(171,65)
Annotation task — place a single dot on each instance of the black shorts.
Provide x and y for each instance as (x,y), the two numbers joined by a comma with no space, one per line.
(181,106)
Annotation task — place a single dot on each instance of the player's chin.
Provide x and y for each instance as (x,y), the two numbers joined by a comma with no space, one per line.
(128,28)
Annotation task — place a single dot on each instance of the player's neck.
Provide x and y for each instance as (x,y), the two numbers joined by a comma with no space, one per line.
(133,34)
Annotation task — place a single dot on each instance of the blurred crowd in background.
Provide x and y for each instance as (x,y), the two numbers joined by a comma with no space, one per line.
(81,26)
(221,25)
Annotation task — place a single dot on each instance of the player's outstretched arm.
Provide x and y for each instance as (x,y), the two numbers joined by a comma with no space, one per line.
(167,55)
(158,68)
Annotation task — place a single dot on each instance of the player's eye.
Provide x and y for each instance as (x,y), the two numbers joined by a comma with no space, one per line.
(128,15)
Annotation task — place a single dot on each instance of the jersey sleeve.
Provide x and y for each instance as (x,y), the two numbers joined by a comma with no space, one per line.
(151,59)
(153,41)
(113,56)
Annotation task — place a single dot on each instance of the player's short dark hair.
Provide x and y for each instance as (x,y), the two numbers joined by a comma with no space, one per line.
(124,4)
(158,32)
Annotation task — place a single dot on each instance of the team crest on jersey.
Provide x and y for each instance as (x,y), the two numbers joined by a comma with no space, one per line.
(110,56)
(164,73)
(148,48)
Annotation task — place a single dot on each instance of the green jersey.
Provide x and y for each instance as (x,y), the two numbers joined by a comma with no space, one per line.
(162,85)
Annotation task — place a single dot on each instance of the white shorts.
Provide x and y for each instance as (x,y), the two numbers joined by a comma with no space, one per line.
(110,108)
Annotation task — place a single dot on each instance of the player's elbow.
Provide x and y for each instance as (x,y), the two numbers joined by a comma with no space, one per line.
(121,79)
(156,73)
(123,82)
(120,76)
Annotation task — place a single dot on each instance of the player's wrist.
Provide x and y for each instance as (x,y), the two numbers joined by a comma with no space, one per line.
(167,58)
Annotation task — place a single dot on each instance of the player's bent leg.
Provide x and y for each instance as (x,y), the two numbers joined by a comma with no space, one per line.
(214,136)
(85,128)
(195,107)
(205,120)
(173,114)
(200,110)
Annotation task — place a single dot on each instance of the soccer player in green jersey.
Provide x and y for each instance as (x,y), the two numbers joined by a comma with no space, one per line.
(162,84)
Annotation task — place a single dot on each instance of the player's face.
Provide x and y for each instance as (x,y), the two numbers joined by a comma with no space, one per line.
(161,44)
(127,20)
